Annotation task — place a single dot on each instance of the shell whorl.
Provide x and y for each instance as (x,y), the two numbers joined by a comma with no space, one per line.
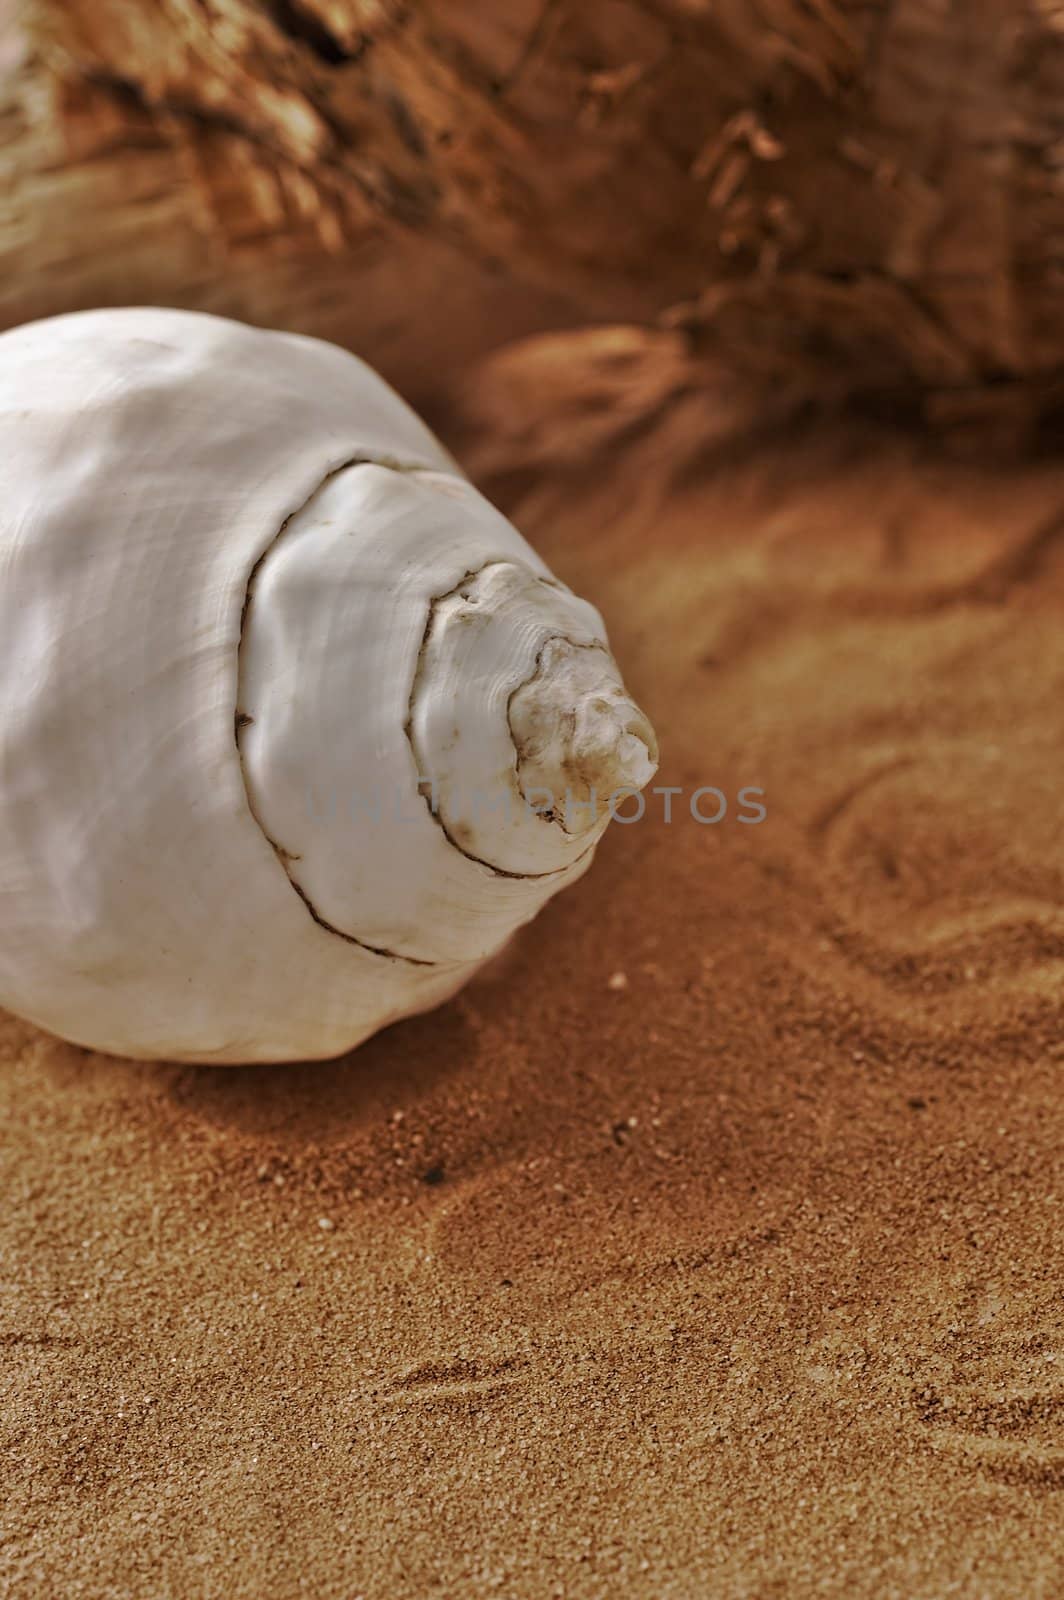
(424,712)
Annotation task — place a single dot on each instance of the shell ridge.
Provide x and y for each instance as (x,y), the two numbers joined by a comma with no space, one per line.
(433,606)
(598,644)
(242,720)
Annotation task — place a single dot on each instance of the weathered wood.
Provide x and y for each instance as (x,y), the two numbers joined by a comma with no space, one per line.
(842,196)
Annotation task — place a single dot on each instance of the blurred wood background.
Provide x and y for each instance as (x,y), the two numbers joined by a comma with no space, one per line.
(840,199)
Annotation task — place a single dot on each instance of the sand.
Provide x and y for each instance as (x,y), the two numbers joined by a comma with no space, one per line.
(710,1244)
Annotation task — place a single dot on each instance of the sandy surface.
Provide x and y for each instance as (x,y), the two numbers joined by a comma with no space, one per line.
(711,1244)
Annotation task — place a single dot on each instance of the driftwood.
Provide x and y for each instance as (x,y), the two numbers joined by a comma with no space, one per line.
(839,197)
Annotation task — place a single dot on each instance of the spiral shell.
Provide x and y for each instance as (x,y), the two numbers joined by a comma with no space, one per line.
(288,708)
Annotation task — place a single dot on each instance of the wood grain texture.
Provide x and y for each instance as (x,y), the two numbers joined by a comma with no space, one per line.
(847,196)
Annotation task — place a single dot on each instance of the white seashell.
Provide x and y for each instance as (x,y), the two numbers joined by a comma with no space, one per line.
(280,691)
